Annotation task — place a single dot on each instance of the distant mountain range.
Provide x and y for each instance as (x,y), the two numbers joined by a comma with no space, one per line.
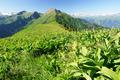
(10,25)
(112,21)
(14,23)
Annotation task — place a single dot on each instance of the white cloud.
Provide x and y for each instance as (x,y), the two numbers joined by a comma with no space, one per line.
(79,14)
(7,13)
(4,13)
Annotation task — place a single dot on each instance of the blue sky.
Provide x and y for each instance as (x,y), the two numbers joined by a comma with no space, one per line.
(69,6)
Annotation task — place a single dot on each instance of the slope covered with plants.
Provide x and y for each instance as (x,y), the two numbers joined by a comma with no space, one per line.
(40,53)
(12,24)
(45,50)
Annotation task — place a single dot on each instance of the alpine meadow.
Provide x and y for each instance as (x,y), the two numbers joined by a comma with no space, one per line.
(56,44)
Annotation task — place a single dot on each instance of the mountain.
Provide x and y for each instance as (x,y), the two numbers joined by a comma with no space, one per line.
(23,15)
(69,22)
(112,21)
(14,23)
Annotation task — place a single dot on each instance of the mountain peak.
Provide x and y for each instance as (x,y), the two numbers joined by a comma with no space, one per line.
(22,12)
(53,10)
(35,15)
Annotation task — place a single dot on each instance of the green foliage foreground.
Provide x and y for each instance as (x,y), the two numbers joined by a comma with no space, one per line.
(61,55)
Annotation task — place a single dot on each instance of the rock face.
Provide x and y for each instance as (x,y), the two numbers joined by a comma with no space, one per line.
(35,15)
(22,12)
(52,10)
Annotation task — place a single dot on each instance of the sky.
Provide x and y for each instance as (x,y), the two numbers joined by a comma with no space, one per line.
(76,7)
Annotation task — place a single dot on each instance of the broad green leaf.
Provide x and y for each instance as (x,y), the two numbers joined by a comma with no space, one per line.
(98,53)
(87,77)
(84,51)
(106,42)
(77,74)
(117,61)
(109,73)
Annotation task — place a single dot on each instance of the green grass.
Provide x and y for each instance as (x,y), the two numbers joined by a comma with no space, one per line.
(48,52)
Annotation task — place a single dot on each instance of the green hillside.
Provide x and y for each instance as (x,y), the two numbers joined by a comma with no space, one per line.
(48,52)
(40,29)
(48,48)
(17,22)
(66,20)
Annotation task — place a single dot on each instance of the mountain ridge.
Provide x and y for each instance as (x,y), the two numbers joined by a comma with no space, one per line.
(69,22)
(14,23)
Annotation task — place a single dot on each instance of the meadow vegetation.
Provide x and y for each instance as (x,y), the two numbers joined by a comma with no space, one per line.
(48,52)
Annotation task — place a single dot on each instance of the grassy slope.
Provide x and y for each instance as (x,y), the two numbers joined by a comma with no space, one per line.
(40,29)
(68,22)
(48,52)
(19,47)
(72,23)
